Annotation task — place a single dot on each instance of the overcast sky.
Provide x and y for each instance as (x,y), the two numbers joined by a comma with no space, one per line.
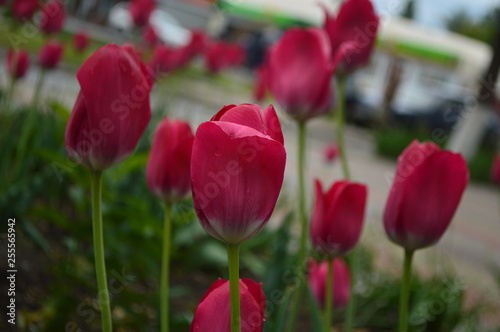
(434,12)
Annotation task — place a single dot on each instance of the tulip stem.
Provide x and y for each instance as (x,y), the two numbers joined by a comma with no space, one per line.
(100,264)
(234,285)
(340,118)
(165,267)
(340,127)
(296,300)
(405,292)
(351,306)
(328,297)
(38,87)
(10,92)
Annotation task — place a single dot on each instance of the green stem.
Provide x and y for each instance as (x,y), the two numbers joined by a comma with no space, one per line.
(165,267)
(340,127)
(351,306)
(301,256)
(329,297)
(38,87)
(405,292)
(234,285)
(100,264)
(340,119)
(10,93)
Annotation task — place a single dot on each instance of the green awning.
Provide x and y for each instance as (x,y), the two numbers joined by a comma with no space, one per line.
(260,14)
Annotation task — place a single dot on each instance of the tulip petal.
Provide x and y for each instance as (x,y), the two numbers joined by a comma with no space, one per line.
(168,170)
(121,98)
(226,158)
(317,224)
(318,273)
(432,195)
(345,214)
(353,33)
(214,311)
(427,189)
(300,72)
(266,122)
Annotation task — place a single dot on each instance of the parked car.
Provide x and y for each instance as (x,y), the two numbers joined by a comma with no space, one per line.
(167,27)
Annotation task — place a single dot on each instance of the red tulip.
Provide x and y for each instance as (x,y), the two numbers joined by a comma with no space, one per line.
(80,41)
(213,311)
(235,55)
(337,219)
(52,17)
(50,54)
(167,173)
(260,85)
(159,63)
(150,36)
(495,170)
(352,34)
(341,282)
(330,152)
(179,58)
(112,109)
(425,194)
(197,43)
(141,10)
(216,57)
(24,9)
(17,63)
(300,73)
(237,171)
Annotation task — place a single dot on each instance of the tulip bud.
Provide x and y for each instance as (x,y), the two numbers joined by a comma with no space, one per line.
(52,17)
(80,41)
(50,54)
(330,152)
(352,35)
(141,10)
(318,273)
(337,219)
(300,73)
(24,9)
(112,109)
(150,37)
(197,43)
(425,194)
(260,86)
(159,63)
(216,57)
(213,311)
(167,173)
(17,63)
(237,171)
(495,170)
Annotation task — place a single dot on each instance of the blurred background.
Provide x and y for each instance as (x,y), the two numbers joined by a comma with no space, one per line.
(433,76)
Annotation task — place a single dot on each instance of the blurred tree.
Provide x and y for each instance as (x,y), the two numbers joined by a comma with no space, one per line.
(488,83)
(482,29)
(409,10)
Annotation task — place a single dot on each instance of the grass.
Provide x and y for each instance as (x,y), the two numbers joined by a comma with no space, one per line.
(27,37)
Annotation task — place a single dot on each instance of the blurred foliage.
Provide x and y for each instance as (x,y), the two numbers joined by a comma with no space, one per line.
(483,28)
(28,37)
